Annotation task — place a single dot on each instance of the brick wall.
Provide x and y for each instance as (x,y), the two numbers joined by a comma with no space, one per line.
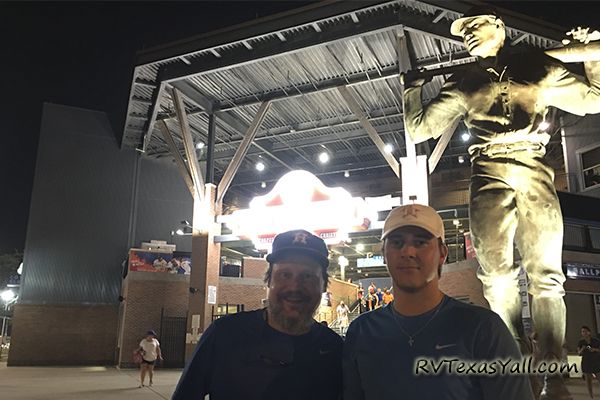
(255,267)
(63,335)
(249,292)
(148,295)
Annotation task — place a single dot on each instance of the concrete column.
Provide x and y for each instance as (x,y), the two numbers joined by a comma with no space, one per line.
(204,277)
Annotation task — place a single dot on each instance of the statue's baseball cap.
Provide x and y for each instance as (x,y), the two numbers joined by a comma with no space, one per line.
(477,11)
(418,215)
(299,242)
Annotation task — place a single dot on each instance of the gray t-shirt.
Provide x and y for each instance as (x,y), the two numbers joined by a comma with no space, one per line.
(458,331)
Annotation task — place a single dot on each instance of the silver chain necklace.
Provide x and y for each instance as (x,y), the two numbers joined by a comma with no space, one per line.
(411,338)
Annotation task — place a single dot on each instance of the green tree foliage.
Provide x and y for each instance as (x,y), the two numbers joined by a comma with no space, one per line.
(9,263)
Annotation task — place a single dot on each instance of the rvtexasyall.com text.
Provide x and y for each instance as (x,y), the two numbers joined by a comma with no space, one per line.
(456,366)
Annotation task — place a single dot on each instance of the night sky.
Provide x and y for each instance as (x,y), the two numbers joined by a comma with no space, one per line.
(82,54)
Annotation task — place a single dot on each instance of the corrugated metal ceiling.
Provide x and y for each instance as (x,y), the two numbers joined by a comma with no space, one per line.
(304,120)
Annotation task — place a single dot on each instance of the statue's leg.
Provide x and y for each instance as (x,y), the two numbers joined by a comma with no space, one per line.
(539,239)
(493,219)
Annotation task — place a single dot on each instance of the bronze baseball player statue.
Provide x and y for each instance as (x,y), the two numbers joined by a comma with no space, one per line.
(503,98)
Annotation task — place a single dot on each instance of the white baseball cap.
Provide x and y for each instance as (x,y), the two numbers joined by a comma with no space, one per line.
(414,215)
(456,28)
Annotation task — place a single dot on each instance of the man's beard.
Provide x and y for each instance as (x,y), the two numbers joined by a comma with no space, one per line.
(291,324)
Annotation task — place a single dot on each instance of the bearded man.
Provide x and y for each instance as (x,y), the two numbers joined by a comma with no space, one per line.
(279,352)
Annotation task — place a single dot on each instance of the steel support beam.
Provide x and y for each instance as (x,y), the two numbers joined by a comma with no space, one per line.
(310,88)
(237,126)
(188,143)
(246,179)
(405,64)
(366,124)
(149,128)
(441,145)
(202,102)
(189,91)
(185,173)
(271,148)
(210,149)
(235,163)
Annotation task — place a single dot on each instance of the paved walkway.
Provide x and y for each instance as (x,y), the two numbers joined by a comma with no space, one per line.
(82,383)
(100,383)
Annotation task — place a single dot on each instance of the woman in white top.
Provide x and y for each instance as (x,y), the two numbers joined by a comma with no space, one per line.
(150,349)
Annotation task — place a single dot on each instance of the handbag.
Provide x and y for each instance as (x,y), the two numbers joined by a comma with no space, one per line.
(137,356)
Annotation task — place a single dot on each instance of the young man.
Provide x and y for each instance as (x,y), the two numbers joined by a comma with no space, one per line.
(503,99)
(279,352)
(424,324)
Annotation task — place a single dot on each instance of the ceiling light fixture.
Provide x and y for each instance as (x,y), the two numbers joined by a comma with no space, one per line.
(260,166)
(323,157)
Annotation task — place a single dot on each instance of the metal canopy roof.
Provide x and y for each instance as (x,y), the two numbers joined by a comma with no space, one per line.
(297,60)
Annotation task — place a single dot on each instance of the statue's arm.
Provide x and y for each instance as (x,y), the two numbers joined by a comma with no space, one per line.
(430,121)
(571,92)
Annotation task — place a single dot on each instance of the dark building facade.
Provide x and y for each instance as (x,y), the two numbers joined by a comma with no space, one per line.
(91,202)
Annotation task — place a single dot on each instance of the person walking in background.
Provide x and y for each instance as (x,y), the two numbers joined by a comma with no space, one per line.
(589,350)
(360,296)
(387,297)
(150,350)
(372,300)
(372,288)
(379,295)
(342,316)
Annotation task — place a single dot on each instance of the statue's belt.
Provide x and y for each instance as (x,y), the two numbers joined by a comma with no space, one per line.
(495,149)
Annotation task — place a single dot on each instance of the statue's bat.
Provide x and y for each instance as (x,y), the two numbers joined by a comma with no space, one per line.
(569,54)
(576,52)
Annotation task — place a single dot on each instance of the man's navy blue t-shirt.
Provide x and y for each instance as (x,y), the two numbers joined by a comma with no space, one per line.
(242,357)
(459,331)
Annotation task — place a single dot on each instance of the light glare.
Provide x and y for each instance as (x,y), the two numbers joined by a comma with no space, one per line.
(544,125)
(323,157)
(7,295)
